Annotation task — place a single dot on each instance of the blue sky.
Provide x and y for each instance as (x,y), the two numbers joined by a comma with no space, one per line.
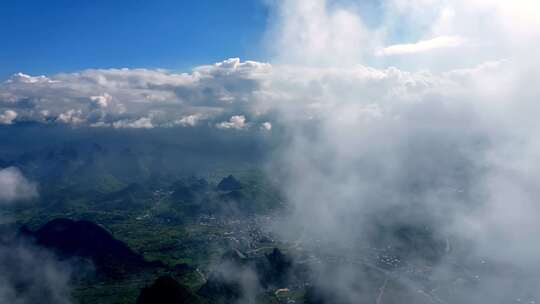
(45,37)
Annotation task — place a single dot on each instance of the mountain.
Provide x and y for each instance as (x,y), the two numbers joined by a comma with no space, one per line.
(132,191)
(229,183)
(274,269)
(69,238)
(183,192)
(130,197)
(226,283)
(223,284)
(221,290)
(166,290)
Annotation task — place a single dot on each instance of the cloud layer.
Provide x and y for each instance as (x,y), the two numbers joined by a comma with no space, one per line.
(123,98)
(230,95)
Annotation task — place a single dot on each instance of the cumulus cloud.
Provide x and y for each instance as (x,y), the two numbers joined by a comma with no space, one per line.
(14,186)
(132,95)
(141,123)
(189,120)
(24,78)
(71,116)
(102,101)
(237,122)
(266,126)
(8,117)
(422,46)
(144,98)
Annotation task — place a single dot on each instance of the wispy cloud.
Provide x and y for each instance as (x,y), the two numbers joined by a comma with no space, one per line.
(422,46)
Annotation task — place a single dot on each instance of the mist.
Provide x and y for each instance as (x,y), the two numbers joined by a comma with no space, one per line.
(378,150)
(30,274)
(15,187)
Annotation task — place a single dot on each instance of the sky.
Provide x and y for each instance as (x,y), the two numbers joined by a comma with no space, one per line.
(49,37)
(46,37)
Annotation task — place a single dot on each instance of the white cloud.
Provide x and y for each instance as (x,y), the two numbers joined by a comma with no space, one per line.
(252,89)
(237,122)
(452,138)
(102,101)
(14,186)
(141,123)
(24,78)
(71,116)
(132,94)
(100,124)
(441,42)
(189,120)
(313,32)
(8,117)
(267,126)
